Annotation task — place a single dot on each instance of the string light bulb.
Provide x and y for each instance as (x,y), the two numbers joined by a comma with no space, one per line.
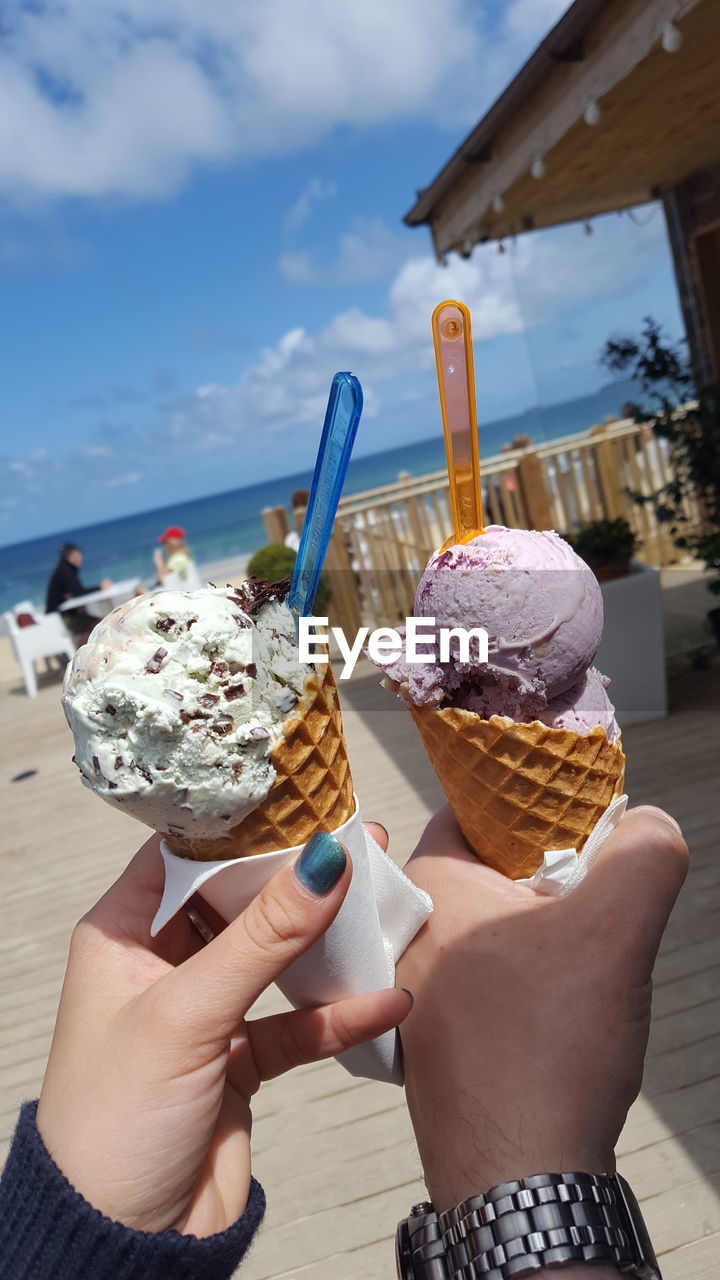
(537,168)
(671,38)
(498,205)
(593,114)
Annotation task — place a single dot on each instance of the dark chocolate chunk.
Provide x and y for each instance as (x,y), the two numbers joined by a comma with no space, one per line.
(286,702)
(172,693)
(118,762)
(96,767)
(208,699)
(258,734)
(256,592)
(190,623)
(145,773)
(222,727)
(187,716)
(112,785)
(251,670)
(155,663)
(165,624)
(234,691)
(219,668)
(111,710)
(242,621)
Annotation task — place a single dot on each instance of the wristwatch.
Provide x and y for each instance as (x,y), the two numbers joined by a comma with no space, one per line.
(518,1228)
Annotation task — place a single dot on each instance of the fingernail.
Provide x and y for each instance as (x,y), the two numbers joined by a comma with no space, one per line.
(410,997)
(321,863)
(652,809)
(372,823)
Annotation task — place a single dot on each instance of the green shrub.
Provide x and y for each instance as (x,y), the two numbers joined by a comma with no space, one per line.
(604,542)
(691,433)
(278,561)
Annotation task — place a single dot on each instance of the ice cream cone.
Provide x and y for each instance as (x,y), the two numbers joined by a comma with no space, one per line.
(313,788)
(519,789)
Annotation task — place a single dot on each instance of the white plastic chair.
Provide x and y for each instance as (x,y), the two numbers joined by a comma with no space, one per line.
(47,638)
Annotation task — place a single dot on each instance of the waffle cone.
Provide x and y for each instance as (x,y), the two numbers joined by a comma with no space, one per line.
(313,788)
(519,789)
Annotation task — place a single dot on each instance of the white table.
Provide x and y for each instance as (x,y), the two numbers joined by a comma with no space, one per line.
(112,595)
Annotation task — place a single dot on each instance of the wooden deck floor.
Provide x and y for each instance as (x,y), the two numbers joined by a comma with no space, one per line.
(336,1155)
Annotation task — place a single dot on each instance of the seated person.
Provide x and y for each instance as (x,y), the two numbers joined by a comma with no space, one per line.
(64,585)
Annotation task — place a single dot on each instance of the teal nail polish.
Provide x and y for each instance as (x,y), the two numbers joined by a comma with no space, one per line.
(321,863)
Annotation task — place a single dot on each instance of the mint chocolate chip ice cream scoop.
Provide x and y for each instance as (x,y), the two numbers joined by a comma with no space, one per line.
(178,699)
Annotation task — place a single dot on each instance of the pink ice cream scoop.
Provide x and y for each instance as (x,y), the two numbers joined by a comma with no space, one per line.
(579,709)
(542,609)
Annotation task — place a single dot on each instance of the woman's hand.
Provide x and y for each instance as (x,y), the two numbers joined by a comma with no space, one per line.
(145,1104)
(526,1045)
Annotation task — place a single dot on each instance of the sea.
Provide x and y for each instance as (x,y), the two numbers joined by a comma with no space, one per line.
(228,525)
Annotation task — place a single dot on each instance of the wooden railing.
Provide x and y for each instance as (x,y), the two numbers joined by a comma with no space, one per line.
(383,537)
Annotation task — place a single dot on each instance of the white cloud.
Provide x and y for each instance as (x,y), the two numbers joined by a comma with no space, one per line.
(313,192)
(131,477)
(536,281)
(125,97)
(368,251)
(268,418)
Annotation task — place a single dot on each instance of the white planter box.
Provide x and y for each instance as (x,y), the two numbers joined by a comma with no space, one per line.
(632,652)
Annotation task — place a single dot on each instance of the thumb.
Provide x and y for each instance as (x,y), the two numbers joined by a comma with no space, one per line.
(213,990)
(635,880)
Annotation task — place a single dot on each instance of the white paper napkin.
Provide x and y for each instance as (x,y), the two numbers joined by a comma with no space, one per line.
(563,869)
(380,916)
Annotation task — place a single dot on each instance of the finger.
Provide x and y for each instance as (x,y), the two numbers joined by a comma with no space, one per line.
(379,834)
(636,878)
(130,903)
(288,1040)
(126,911)
(443,835)
(213,990)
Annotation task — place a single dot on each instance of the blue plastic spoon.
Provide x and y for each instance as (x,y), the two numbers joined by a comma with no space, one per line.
(342,418)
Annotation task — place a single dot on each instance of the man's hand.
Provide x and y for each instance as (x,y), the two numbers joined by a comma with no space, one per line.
(526,1045)
(146,1100)
(106,582)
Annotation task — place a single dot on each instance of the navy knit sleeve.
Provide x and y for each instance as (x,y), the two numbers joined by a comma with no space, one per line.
(50,1232)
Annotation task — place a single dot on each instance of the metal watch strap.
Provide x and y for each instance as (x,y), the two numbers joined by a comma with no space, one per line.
(518,1228)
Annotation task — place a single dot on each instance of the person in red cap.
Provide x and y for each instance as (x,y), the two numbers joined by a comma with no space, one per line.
(176,570)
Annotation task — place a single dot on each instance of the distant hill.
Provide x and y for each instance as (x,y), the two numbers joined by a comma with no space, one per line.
(547,422)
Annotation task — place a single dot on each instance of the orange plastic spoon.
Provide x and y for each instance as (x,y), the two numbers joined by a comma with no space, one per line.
(452,336)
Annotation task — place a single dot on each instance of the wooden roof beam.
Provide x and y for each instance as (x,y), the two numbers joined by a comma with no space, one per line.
(626,34)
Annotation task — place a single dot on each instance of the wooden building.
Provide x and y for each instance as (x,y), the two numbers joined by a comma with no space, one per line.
(619,105)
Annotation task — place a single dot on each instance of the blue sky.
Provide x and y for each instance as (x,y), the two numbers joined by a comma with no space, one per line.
(200,221)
